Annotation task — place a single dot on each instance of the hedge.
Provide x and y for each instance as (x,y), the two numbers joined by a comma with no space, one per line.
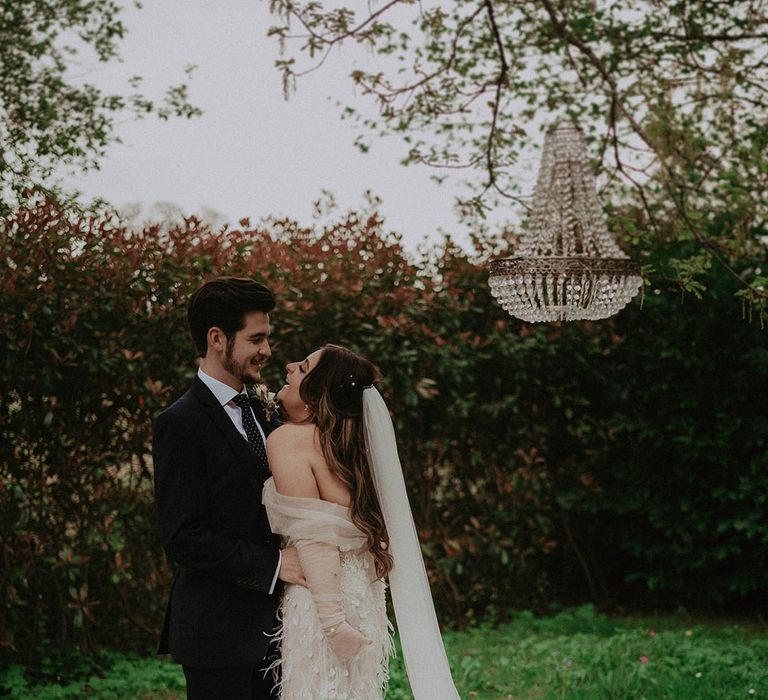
(622,462)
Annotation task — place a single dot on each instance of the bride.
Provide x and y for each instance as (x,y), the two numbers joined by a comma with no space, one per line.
(338,495)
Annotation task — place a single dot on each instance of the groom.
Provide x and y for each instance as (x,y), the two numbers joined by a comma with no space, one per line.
(210,467)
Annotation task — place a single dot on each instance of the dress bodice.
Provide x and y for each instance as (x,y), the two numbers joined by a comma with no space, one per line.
(299,518)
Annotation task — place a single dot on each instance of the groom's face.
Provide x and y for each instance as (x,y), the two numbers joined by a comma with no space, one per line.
(249,349)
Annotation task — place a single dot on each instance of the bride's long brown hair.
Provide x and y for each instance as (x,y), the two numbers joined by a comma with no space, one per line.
(333,392)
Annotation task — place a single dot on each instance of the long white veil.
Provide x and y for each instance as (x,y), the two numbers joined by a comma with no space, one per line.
(423,650)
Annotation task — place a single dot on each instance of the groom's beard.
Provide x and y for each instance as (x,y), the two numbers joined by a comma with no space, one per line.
(243,372)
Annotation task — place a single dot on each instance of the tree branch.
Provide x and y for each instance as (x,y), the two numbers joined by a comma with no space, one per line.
(500,81)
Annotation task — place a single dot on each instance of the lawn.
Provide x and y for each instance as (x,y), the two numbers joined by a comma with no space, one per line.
(577,654)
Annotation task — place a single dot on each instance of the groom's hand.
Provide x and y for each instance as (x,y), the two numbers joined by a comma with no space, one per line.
(290,568)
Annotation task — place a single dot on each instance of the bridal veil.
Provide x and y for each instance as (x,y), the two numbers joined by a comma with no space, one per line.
(423,650)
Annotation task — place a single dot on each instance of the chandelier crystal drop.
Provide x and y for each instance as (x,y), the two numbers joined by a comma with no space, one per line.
(568,267)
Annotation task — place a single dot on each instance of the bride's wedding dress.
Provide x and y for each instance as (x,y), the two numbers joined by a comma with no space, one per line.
(310,670)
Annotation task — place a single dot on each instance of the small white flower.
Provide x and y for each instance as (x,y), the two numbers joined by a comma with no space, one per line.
(751,691)
(698,674)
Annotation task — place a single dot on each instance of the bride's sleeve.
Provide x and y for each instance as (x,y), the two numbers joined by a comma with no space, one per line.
(310,519)
(321,564)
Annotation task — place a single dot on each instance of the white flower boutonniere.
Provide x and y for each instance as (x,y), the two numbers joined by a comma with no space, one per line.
(267,398)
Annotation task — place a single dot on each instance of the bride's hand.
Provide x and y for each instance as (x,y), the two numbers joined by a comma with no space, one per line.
(345,640)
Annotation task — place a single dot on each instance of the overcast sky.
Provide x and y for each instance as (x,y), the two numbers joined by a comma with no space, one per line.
(251,153)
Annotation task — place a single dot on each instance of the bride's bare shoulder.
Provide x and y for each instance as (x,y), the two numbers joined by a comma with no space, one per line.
(290,451)
(289,432)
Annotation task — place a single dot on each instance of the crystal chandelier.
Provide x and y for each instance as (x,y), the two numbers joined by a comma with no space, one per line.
(567,267)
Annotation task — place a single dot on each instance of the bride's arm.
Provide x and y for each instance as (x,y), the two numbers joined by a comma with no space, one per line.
(290,452)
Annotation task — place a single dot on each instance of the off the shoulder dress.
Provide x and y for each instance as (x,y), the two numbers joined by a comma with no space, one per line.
(309,668)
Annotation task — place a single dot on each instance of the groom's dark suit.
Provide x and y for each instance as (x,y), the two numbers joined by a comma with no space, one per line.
(208,484)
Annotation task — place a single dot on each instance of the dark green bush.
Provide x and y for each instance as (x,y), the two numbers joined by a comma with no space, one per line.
(684,509)
(622,461)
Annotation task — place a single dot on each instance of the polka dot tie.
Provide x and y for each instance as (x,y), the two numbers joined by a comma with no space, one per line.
(252,432)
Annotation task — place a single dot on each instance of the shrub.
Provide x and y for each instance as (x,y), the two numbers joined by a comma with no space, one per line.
(544,463)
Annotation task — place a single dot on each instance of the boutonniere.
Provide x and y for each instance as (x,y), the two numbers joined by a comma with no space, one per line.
(268,399)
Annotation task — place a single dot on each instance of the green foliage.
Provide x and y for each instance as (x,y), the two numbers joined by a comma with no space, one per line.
(50,118)
(621,462)
(575,654)
(111,676)
(78,396)
(685,468)
(670,94)
(579,654)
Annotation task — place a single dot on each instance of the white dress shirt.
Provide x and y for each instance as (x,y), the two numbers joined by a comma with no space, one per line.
(224,395)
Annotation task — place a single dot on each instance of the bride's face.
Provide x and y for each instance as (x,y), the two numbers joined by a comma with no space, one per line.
(289,395)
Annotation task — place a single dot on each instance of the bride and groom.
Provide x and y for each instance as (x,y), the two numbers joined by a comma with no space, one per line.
(283,533)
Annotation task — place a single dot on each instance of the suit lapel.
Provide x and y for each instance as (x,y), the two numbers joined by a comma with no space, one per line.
(246,459)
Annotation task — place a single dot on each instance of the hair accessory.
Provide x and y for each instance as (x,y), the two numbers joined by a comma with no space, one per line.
(351,376)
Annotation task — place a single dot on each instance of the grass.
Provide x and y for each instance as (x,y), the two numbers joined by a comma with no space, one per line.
(582,655)
(577,654)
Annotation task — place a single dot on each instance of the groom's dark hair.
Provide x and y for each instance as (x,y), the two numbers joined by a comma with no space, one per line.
(223,302)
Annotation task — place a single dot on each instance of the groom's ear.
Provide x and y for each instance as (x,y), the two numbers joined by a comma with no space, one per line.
(216,338)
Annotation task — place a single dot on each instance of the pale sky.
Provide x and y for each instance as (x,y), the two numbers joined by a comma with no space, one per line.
(251,153)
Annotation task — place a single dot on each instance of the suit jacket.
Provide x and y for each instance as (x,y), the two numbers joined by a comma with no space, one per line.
(212,524)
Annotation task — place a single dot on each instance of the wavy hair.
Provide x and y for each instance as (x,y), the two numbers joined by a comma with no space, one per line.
(333,392)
